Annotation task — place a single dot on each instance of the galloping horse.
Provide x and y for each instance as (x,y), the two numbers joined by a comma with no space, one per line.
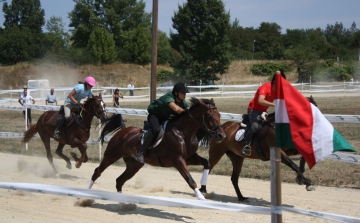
(260,149)
(177,148)
(76,130)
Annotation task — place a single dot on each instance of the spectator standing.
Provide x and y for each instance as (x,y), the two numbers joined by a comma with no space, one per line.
(25,100)
(25,89)
(131,89)
(51,98)
(117,94)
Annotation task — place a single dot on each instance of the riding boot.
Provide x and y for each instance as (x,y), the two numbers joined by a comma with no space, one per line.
(147,142)
(58,127)
(246,150)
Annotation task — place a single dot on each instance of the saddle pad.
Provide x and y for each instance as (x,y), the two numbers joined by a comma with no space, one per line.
(240,135)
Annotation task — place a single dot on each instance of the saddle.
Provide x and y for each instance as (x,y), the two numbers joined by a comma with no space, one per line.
(261,133)
(75,116)
(159,137)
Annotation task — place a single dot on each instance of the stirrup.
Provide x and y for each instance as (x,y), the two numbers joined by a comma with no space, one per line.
(56,134)
(246,150)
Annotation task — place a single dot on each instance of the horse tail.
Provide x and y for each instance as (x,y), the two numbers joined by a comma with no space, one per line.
(114,123)
(30,133)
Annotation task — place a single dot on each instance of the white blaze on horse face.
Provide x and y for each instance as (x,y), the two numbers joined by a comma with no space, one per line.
(103,107)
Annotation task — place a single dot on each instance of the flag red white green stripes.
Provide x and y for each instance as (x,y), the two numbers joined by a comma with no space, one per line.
(301,125)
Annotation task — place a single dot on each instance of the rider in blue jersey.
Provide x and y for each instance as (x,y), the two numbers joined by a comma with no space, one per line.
(79,92)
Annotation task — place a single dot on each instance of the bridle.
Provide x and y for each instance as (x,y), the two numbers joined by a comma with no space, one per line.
(211,131)
(97,113)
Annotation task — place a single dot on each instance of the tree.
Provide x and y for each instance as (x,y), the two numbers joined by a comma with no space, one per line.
(201,39)
(102,45)
(24,13)
(163,48)
(301,56)
(137,47)
(121,18)
(22,38)
(269,40)
(57,38)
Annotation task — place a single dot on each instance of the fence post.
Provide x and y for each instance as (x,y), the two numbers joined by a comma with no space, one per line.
(26,114)
(275,185)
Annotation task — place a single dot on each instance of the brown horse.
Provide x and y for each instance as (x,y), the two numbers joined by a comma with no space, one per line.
(76,130)
(177,148)
(260,149)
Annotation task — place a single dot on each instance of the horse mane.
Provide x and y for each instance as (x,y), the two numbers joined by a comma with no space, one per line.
(201,135)
(196,102)
(89,100)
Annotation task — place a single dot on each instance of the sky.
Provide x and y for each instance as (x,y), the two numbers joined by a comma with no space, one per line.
(289,14)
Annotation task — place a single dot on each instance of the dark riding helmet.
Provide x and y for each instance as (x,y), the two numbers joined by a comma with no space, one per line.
(180,87)
(278,72)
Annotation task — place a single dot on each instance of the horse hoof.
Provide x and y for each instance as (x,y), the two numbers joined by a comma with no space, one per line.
(310,188)
(77,165)
(68,166)
(243,199)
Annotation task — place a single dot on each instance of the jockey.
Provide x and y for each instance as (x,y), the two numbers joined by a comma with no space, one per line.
(264,97)
(80,91)
(160,110)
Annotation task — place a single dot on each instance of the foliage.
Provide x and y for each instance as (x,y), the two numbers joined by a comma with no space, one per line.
(20,44)
(137,47)
(201,39)
(102,45)
(300,56)
(164,75)
(24,14)
(22,38)
(126,20)
(327,71)
(269,68)
(163,49)
(79,56)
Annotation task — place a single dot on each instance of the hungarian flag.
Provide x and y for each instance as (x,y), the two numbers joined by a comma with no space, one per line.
(301,125)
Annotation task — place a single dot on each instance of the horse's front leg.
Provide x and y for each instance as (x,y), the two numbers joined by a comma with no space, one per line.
(84,158)
(59,151)
(237,163)
(198,160)
(300,179)
(180,164)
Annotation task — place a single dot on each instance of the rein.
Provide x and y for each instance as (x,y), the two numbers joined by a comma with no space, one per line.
(97,114)
(211,131)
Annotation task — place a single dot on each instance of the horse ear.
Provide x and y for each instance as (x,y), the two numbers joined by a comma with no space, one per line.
(212,100)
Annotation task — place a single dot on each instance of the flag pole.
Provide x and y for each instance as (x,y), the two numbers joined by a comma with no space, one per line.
(275,185)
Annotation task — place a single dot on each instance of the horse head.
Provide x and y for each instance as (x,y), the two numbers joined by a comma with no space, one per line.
(205,113)
(96,107)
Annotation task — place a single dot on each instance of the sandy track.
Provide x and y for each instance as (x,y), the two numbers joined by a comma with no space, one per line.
(19,206)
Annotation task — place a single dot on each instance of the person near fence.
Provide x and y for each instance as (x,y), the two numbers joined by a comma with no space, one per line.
(263,99)
(24,89)
(131,88)
(79,92)
(117,94)
(51,98)
(160,110)
(25,99)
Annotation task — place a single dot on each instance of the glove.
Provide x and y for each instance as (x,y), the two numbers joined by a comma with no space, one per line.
(186,110)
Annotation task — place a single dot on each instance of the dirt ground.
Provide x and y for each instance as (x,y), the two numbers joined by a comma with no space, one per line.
(21,206)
